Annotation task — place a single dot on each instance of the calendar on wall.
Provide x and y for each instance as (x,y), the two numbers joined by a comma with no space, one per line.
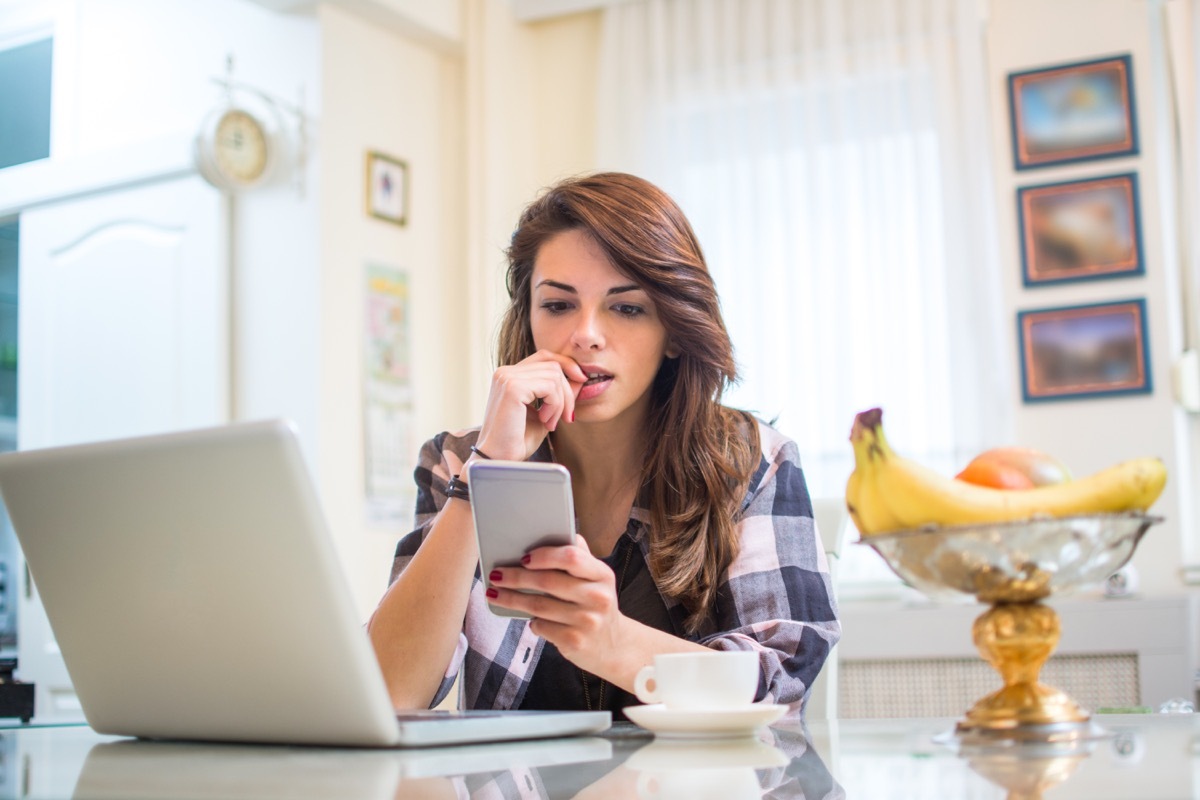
(388,447)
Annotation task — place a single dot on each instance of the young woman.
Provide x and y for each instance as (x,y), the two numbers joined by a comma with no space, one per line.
(695,524)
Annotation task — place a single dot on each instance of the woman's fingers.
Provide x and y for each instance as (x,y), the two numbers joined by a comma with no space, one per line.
(575,559)
(571,369)
(554,583)
(586,616)
(545,383)
(526,400)
(535,605)
(571,596)
(568,580)
(558,401)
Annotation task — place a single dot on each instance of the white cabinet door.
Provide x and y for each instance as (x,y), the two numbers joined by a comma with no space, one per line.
(123,331)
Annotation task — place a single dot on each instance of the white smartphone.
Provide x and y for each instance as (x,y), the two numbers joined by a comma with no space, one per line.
(519,506)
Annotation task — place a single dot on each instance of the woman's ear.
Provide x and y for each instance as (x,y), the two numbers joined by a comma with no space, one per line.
(672,350)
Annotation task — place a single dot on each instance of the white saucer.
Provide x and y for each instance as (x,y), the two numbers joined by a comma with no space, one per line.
(692,724)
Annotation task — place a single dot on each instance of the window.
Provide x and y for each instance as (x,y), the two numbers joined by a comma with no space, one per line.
(833,160)
(25,100)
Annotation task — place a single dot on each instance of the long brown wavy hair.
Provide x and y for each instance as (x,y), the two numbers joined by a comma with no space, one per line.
(701,454)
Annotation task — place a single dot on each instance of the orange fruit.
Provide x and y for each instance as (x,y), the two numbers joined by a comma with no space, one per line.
(1014,468)
(994,474)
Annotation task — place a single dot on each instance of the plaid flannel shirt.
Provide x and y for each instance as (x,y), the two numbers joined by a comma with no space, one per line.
(775,599)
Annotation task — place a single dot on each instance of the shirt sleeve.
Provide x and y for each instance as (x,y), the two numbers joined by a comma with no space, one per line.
(777,598)
(495,656)
(440,457)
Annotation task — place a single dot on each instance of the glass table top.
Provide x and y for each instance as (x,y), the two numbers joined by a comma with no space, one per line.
(1142,756)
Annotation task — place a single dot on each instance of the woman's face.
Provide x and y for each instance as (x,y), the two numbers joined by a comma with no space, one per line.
(584,308)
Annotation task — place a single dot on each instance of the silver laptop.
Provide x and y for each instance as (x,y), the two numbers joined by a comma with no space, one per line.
(195,593)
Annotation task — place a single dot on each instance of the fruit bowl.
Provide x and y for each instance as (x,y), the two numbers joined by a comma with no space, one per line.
(1013,562)
(1013,566)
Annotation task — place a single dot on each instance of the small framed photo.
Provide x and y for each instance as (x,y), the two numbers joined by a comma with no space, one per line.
(1084,351)
(1073,112)
(1080,230)
(387,188)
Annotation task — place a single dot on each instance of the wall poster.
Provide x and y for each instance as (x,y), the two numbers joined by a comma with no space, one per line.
(389,448)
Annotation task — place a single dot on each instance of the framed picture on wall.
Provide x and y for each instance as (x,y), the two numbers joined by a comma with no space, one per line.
(387,188)
(1080,230)
(1073,112)
(1084,351)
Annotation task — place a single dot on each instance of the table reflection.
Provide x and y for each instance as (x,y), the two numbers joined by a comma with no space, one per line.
(132,768)
(1143,756)
(778,762)
(1150,755)
(1027,771)
(626,763)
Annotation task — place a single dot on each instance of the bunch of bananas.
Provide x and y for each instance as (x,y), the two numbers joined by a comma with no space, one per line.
(888,493)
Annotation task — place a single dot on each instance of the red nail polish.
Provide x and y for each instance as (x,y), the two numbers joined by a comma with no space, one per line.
(525,559)
(492,594)
(495,576)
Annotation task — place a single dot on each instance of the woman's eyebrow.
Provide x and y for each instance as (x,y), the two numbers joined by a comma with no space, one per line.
(556,285)
(566,287)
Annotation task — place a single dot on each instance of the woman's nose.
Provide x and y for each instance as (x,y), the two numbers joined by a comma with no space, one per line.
(588,334)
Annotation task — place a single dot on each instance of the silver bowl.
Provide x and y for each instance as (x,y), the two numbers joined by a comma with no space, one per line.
(1012,562)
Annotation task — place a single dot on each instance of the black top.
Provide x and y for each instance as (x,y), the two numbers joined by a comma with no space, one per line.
(558,684)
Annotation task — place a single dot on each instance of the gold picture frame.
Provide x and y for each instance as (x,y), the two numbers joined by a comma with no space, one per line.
(387,188)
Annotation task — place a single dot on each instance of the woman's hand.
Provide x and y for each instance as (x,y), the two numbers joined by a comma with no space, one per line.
(526,401)
(577,611)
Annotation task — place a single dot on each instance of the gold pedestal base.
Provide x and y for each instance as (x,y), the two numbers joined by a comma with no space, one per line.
(1016,639)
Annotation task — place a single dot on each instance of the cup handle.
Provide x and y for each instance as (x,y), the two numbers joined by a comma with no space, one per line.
(642,685)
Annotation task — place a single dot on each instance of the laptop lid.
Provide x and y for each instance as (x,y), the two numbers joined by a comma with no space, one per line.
(195,593)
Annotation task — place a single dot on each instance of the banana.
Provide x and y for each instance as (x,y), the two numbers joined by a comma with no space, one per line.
(888,492)
(868,516)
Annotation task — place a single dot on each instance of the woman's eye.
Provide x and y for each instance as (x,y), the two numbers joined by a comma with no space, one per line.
(555,306)
(628,310)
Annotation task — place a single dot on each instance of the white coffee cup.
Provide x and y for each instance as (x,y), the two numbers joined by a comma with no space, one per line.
(699,681)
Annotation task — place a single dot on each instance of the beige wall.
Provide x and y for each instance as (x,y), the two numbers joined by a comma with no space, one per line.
(1090,434)
(482,132)
(530,115)
(383,92)
(566,63)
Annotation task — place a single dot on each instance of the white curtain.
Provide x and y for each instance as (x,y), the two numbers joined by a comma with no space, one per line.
(833,156)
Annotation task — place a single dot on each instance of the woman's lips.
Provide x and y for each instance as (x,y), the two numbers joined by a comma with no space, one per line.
(595,386)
